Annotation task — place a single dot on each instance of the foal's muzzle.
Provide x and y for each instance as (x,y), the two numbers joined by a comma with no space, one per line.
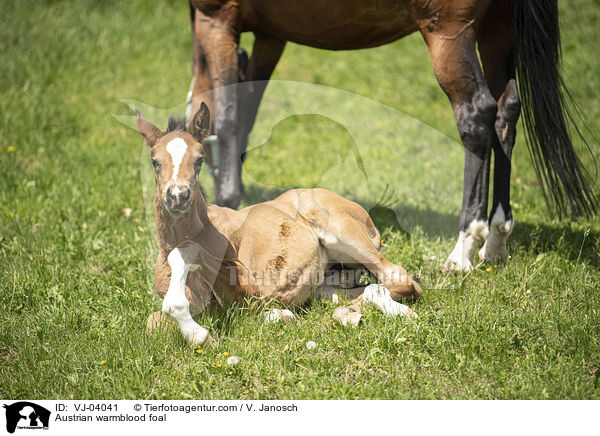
(178,198)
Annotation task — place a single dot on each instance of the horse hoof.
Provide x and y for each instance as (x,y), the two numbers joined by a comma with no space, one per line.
(276,315)
(347,316)
(488,254)
(461,265)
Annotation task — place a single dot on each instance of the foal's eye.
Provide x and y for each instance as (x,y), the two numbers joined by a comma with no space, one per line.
(198,163)
(155,164)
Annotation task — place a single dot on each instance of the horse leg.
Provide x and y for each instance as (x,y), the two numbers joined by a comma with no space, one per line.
(374,295)
(497,54)
(266,52)
(458,72)
(219,42)
(500,220)
(201,80)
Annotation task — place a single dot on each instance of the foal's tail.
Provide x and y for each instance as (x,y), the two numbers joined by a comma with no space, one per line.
(545,112)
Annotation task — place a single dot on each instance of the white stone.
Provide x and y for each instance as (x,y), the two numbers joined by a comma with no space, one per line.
(233,360)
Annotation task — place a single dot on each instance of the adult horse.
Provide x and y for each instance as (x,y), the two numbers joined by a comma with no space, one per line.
(518,38)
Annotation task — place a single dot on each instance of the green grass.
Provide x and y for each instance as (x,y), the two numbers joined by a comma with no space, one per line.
(76,274)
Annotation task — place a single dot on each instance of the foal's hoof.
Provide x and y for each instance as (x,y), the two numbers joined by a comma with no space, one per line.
(197,335)
(158,321)
(407,291)
(379,296)
(346,315)
(276,315)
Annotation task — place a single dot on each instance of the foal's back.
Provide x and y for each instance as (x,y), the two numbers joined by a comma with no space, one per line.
(288,243)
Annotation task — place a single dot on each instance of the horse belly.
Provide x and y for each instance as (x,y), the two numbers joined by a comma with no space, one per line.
(334,25)
(296,282)
(283,254)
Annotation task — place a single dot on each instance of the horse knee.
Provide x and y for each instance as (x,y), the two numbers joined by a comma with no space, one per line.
(475,121)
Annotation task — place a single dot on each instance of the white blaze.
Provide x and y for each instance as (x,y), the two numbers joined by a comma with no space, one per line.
(176,148)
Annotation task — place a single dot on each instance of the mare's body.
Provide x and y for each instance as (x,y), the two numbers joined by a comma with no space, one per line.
(510,36)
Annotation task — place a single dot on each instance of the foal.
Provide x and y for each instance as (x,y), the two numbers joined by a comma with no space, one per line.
(278,249)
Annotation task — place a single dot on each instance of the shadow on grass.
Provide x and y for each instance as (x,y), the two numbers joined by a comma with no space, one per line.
(574,245)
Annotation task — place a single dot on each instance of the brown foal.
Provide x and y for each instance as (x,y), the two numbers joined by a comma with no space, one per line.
(280,249)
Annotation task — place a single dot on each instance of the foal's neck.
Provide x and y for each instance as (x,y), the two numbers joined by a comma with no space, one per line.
(190,225)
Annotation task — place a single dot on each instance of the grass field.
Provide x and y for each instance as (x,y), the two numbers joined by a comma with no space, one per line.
(76,274)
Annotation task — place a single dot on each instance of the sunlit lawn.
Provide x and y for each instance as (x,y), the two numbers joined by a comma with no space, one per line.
(76,274)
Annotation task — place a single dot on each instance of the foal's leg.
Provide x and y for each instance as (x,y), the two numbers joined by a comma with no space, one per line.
(265,55)
(457,69)
(196,292)
(497,53)
(176,305)
(349,236)
(374,295)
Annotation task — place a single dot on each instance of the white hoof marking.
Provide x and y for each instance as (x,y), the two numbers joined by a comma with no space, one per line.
(277,315)
(346,317)
(468,241)
(494,248)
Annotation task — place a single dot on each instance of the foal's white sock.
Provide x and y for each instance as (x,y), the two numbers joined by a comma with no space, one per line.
(379,296)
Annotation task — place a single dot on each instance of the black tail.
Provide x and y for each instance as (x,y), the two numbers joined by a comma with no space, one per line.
(545,112)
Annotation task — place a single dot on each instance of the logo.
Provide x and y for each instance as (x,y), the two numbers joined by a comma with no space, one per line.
(26,415)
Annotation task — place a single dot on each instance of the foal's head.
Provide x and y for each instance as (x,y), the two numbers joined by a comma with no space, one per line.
(177,157)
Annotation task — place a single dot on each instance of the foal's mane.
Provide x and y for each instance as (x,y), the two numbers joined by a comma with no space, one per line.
(176,124)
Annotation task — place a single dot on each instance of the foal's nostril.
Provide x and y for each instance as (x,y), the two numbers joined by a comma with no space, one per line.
(185,195)
(177,197)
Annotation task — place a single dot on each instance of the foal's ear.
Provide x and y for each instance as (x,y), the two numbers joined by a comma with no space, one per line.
(149,131)
(201,123)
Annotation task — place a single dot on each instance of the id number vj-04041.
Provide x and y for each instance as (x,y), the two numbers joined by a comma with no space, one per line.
(103,407)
